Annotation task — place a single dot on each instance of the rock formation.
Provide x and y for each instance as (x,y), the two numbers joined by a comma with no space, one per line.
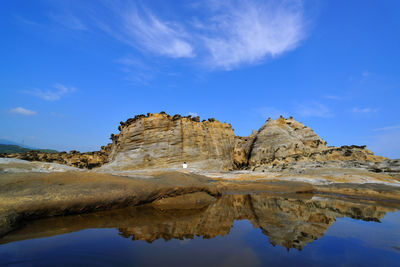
(282,142)
(74,158)
(159,140)
(243,146)
(163,141)
(278,139)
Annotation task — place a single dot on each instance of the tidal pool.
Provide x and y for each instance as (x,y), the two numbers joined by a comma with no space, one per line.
(236,230)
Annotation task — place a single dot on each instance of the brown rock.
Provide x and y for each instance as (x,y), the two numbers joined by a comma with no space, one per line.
(159,141)
(281,138)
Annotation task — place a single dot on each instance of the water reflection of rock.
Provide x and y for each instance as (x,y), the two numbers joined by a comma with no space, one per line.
(291,222)
(288,222)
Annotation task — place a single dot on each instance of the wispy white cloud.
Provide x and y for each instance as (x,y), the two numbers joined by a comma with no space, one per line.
(23,111)
(364,110)
(246,32)
(54,94)
(388,128)
(227,35)
(313,109)
(155,35)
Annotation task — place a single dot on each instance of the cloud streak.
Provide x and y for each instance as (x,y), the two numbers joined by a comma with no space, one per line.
(23,111)
(54,94)
(155,35)
(247,32)
(223,35)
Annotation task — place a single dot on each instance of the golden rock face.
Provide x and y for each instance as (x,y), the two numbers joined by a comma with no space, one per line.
(162,141)
(281,138)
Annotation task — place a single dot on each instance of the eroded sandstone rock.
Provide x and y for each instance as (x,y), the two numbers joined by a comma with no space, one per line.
(162,141)
(282,138)
(242,150)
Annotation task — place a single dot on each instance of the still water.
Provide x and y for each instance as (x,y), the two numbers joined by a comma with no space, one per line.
(236,230)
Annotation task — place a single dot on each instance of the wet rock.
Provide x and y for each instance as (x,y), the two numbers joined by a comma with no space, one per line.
(188,201)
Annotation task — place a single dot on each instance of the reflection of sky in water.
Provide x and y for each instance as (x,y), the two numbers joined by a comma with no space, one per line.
(347,242)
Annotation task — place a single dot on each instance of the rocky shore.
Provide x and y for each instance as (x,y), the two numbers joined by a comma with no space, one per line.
(143,165)
(27,196)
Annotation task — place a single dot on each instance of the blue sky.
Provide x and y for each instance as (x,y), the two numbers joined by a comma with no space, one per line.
(72,70)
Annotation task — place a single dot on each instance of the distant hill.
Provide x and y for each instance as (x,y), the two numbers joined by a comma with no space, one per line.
(7,148)
(8,142)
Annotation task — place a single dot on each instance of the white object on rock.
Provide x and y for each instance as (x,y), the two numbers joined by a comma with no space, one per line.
(184,165)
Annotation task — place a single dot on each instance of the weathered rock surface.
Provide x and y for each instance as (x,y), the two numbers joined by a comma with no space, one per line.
(27,196)
(282,138)
(243,146)
(163,141)
(287,144)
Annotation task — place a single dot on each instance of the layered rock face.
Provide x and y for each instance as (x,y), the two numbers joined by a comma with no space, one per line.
(163,141)
(285,142)
(281,138)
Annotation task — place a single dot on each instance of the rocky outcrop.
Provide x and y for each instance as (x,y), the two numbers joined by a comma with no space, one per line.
(285,143)
(163,141)
(283,138)
(158,140)
(27,196)
(242,150)
(337,157)
(74,158)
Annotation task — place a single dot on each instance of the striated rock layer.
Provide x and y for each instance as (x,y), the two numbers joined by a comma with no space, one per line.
(163,141)
(282,138)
